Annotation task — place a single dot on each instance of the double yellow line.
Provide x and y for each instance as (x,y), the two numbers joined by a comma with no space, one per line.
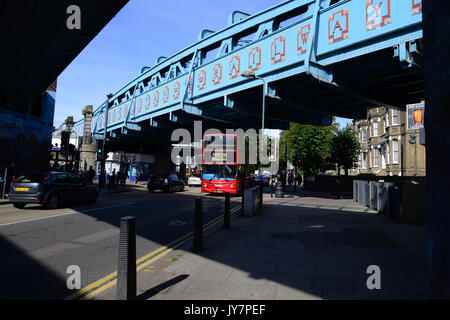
(97,287)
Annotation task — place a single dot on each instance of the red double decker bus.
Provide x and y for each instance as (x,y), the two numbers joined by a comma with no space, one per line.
(220,169)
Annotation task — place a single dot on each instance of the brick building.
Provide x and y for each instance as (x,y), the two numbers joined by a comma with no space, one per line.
(383,136)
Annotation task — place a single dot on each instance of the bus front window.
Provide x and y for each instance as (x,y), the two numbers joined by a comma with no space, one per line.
(219,172)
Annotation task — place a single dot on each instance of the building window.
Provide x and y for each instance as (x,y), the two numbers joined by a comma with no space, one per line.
(383,157)
(375,129)
(375,158)
(386,121)
(394,116)
(364,161)
(388,155)
(364,138)
(394,151)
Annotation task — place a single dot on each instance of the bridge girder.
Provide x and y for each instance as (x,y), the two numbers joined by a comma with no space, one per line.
(326,60)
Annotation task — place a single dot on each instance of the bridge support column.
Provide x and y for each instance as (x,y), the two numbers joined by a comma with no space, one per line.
(88,155)
(436,23)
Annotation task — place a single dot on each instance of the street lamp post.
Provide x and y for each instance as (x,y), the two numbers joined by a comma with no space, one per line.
(102,181)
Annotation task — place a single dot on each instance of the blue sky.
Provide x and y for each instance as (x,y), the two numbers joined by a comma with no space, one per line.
(140,33)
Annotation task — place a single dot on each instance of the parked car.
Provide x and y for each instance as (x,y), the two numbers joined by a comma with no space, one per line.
(168,183)
(195,180)
(262,180)
(50,189)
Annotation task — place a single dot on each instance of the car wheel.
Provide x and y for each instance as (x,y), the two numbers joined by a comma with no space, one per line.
(52,202)
(19,205)
(92,198)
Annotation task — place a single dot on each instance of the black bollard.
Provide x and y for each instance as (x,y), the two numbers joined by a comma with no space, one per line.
(126,274)
(227,215)
(198,226)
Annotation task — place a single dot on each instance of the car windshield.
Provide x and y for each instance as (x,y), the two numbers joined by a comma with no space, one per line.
(32,178)
(220,172)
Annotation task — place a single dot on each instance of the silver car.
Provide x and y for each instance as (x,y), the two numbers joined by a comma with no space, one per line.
(195,180)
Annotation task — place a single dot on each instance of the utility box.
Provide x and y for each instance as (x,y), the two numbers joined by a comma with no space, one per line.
(355,190)
(373,195)
(252,201)
(360,192)
(366,193)
(383,196)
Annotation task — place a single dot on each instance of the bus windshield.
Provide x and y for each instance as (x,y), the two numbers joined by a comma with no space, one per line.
(220,172)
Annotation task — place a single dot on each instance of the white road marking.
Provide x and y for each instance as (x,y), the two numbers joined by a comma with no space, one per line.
(66,214)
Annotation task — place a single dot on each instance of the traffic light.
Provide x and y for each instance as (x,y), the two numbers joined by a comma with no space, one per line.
(272,149)
(99,150)
(65,137)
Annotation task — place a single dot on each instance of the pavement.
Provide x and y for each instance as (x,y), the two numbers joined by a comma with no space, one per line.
(310,246)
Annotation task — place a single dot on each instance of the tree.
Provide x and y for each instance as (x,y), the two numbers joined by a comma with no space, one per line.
(309,144)
(345,149)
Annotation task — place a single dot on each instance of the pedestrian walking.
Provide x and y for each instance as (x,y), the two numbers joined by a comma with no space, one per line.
(138,176)
(91,175)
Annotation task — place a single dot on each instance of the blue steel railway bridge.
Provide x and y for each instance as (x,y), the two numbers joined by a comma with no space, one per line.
(313,59)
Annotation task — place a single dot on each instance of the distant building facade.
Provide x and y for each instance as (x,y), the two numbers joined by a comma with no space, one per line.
(383,136)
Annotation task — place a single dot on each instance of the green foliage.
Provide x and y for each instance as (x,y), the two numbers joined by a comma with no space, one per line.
(309,144)
(345,149)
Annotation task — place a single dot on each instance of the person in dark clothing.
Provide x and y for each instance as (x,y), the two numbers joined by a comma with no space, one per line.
(91,175)
(112,180)
(138,176)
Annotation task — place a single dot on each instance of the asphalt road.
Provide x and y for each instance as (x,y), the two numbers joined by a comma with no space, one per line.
(37,246)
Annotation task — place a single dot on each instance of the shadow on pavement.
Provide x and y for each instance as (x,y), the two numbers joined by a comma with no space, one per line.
(155,290)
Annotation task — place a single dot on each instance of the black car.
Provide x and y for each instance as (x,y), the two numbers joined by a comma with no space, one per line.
(50,189)
(166,183)
(261,179)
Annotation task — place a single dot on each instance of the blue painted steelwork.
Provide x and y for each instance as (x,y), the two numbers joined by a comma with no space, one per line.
(319,57)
